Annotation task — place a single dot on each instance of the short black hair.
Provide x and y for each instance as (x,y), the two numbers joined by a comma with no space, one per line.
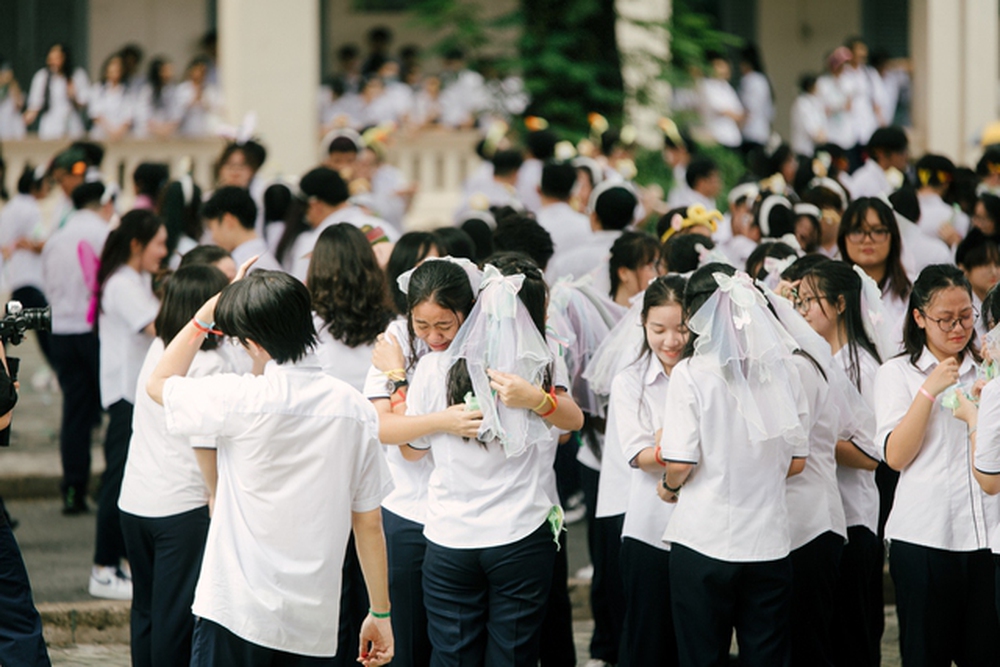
(347,52)
(558,179)
(905,202)
(615,208)
(807,82)
(234,201)
(701,167)
(541,144)
(680,254)
(977,249)
(891,139)
(150,178)
(482,236)
(186,291)
(520,233)
(272,309)
(507,162)
(203,254)
(935,170)
(87,194)
(455,242)
(326,185)
(342,144)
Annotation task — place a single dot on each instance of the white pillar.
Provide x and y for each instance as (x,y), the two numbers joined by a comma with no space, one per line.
(269,64)
(953,43)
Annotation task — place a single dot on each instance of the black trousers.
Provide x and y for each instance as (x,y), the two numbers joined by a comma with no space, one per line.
(215,646)
(75,358)
(109,546)
(557,648)
(32,297)
(859,612)
(406,545)
(165,555)
(946,606)
(711,597)
(815,574)
(607,595)
(648,633)
(486,606)
(21,642)
(353,607)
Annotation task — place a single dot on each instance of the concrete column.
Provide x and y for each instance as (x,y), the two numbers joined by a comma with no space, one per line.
(953,43)
(644,46)
(269,64)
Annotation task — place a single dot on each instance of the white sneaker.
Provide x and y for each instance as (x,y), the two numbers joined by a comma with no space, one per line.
(107,582)
(586,573)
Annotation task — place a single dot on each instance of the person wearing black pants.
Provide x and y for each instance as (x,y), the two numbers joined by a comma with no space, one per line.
(21,641)
(557,648)
(406,547)
(171,547)
(109,546)
(858,606)
(647,634)
(816,569)
(75,357)
(607,600)
(353,607)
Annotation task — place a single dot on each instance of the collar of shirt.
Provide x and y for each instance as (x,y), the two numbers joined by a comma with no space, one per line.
(928,362)
(308,363)
(654,369)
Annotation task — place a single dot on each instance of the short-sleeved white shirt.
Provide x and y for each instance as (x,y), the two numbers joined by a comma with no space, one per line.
(635,414)
(938,503)
(128,306)
(935,212)
(755,94)
(66,288)
(857,487)
(162,477)
(477,497)
(870,181)
(987,459)
(256,246)
(21,218)
(349,364)
(589,257)
(616,479)
(715,98)
(568,228)
(298,452)
(814,504)
(732,506)
(808,123)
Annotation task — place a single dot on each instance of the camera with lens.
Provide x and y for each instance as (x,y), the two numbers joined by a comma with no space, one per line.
(16,320)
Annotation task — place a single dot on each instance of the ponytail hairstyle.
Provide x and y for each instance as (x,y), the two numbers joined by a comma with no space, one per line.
(932,280)
(836,280)
(443,283)
(139,225)
(347,286)
(895,280)
(701,285)
(630,251)
(186,291)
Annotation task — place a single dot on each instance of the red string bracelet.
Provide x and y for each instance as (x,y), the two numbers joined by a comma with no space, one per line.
(551,395)
(205,328)
(658,457)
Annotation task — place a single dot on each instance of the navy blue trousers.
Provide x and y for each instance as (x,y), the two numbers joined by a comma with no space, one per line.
(607,595)
(648,632)
(353,607)
(486,606)
(815,574)
(109,546)
(215,646)
(21,642)
(859,612)
(406,546)
(76,364)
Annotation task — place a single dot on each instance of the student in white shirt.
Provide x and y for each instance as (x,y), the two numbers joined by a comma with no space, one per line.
(734,435)
(888,159)
(635,420)
(229,217)
(491,524)
(165,499)
(829,297)
(57,95)
(831,199)
(111,105)
(438,296)
(499,191)
(757,99)
(156,112)
(127,308)
(634,262)
(704,182)
(938,219)
(567,227)
(272,564)
(808,119)
(198,101)
(69,269)
(238,166)
(940,523)
(834,90)
(721,110)
(11,103)
(541,147)
(979,258)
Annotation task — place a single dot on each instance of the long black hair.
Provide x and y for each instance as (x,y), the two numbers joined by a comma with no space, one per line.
(347,286)
(155,78)
(67,71)
(701,285)
(664,291)
(630,251)
(139,225)
(895,280)
(186,291)
(181,210)
(932,280)
(443,283)
(411,249)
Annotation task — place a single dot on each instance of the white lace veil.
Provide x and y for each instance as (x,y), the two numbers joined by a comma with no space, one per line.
(621,347)
(874,318)
(499,334)
(742,343)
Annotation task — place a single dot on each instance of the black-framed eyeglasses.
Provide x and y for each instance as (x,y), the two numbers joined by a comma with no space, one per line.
(878,235)
(948,325)
(802,304)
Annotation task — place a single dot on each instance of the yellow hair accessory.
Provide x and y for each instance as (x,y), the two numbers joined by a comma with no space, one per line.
(565,150)
(670,129)
(696,216)
(994,168)
(924,175)
(536,123)
(598,124)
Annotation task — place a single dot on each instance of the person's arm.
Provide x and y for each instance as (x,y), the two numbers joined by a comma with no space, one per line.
(673,479)
(516,392)
(399,429)
(904,442)
(177,358)
(850,456)
(968,412)
(796,466)
(208,464)
(377,644)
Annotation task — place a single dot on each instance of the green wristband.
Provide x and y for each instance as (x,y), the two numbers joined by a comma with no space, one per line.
(378,615)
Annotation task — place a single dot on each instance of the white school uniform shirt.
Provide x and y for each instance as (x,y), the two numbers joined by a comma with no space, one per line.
(680,193)
(489,194)
(857,487)
(11,121)
(859,87)
(298,451)
(162,477)
(755,95)
(934,213)
(410,478)
(814,504)
(20,219)
(62,119)
(920,250)
(808,124)
(386,182)
(590,256)
(338,359)
(567,227)
(987,459)
(146,110)
(128,305)
(869,180)
(529,178)
(114,104)
(477,497)
(636,410)
(65,287)
(715,97)
(938,503)
(479,179)
(197,117)
(738,249)
(732,507)
(835,95)
(255,246)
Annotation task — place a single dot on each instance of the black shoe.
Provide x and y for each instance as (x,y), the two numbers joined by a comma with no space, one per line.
(11,521)
(74,502)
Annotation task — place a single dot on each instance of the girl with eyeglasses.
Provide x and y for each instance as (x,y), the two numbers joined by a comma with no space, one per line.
(938,528)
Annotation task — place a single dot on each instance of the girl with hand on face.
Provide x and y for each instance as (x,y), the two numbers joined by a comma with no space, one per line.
(940,523)
(127,308)
(634,424)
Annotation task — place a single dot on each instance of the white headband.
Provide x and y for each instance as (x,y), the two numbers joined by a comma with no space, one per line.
(832,185)
(749,190)
(764,215)
(337,134)
(812,210)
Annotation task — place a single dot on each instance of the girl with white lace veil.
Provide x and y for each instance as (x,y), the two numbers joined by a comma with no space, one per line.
(634,421)
(843,305)
(440,294)
(491,524)
(736,431)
